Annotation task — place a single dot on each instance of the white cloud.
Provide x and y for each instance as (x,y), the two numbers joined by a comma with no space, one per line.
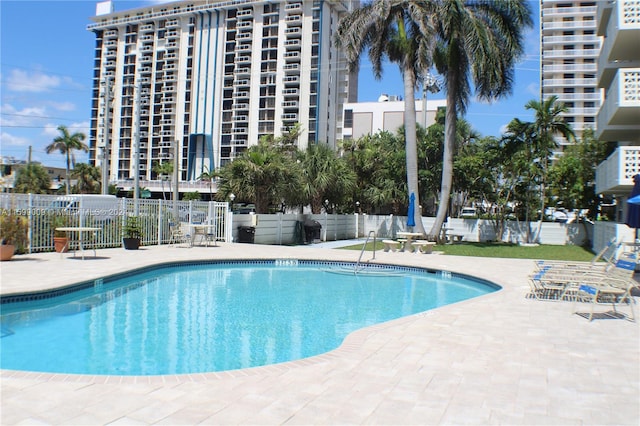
(23,81)
(52,131)
(24,117)
(7,139)
(533,89)
(63,106)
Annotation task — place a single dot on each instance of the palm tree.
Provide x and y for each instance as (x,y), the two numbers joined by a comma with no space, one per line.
(262,174)
(325,177)
(66,143)
(399,30)
(32,179)
(87,178)
(161,169)
(548,123)
(208,176)
(478,41)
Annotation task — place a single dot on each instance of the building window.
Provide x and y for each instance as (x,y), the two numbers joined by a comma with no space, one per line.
(348,118)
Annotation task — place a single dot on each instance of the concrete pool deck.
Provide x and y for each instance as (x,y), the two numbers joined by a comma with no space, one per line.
(498,359)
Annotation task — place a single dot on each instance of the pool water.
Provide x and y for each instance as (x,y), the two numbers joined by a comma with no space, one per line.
(215,317)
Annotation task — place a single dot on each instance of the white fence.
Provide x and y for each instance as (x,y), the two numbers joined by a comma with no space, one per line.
(44,216)
(280,229)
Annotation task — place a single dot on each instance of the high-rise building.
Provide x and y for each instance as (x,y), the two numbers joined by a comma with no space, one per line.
(569,50)
(204,81)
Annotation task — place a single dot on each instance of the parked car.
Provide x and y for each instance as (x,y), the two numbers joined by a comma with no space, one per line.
(468,212)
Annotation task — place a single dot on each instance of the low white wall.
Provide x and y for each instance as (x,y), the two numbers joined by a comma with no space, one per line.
(281,228)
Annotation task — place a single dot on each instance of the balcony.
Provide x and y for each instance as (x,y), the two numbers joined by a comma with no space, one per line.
(591,68)
(569,82)
(243,36)
(569,25)
(289,56)
(245,24)
(620,46)
(293,7)
(568,11)
(246,13)
(574,53)
(615,174)
(293,31)
(294,19)
(618,116)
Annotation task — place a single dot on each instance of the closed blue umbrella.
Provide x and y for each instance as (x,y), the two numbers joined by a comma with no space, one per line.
(633,207)
(411,211)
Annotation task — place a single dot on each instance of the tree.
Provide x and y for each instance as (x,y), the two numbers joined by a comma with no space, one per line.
(572,176)
(88,178)
(66,143)
(208,176)
(32,179)
(262,174)
(399,30)
(477,41)
(163,169)
(325,177)
(548,123)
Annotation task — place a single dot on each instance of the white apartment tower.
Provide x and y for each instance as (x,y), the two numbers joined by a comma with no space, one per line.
(569,50)
(204,81)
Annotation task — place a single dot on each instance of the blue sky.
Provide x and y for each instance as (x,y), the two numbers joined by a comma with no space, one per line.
(46,66)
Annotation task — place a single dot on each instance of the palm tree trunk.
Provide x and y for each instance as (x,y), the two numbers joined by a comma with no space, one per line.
(447,157)
(67,183)
(410,136)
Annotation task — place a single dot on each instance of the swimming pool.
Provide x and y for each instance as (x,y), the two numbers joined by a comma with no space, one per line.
(214,316)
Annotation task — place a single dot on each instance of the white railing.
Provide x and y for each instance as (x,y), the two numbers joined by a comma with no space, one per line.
(43,215)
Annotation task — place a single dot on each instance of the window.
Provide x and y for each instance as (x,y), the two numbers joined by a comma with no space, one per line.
(348,118)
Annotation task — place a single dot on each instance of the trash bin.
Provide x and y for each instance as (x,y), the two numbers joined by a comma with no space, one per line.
(246,234)
(312,230)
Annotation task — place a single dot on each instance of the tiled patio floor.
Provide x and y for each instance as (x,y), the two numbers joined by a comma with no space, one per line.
(496,359)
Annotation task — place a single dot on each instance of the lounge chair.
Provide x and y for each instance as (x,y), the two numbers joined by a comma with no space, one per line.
(177,236)
(564,284)
(612,292)
(608,253)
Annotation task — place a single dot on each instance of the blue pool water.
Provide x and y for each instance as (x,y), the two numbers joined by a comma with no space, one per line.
(215,317)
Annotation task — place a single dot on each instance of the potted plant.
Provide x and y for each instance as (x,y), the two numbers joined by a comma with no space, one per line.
(131,233)
(60,240)
(13,234)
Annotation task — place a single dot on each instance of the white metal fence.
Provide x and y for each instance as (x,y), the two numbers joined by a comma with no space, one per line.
(44,214)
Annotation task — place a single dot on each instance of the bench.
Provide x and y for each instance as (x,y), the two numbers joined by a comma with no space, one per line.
(451,238)
(425,247)
(391,245)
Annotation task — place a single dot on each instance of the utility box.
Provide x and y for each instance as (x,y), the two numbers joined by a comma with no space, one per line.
(246,234)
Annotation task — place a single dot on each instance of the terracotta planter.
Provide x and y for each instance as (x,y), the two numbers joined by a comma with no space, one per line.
(61,244)
(6,252)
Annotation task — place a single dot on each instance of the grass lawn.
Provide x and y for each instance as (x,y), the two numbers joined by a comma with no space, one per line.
(546,252)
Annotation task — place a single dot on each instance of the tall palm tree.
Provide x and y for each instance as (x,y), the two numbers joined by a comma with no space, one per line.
(548,123)
(479,42)
(66,143)
(399,30)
